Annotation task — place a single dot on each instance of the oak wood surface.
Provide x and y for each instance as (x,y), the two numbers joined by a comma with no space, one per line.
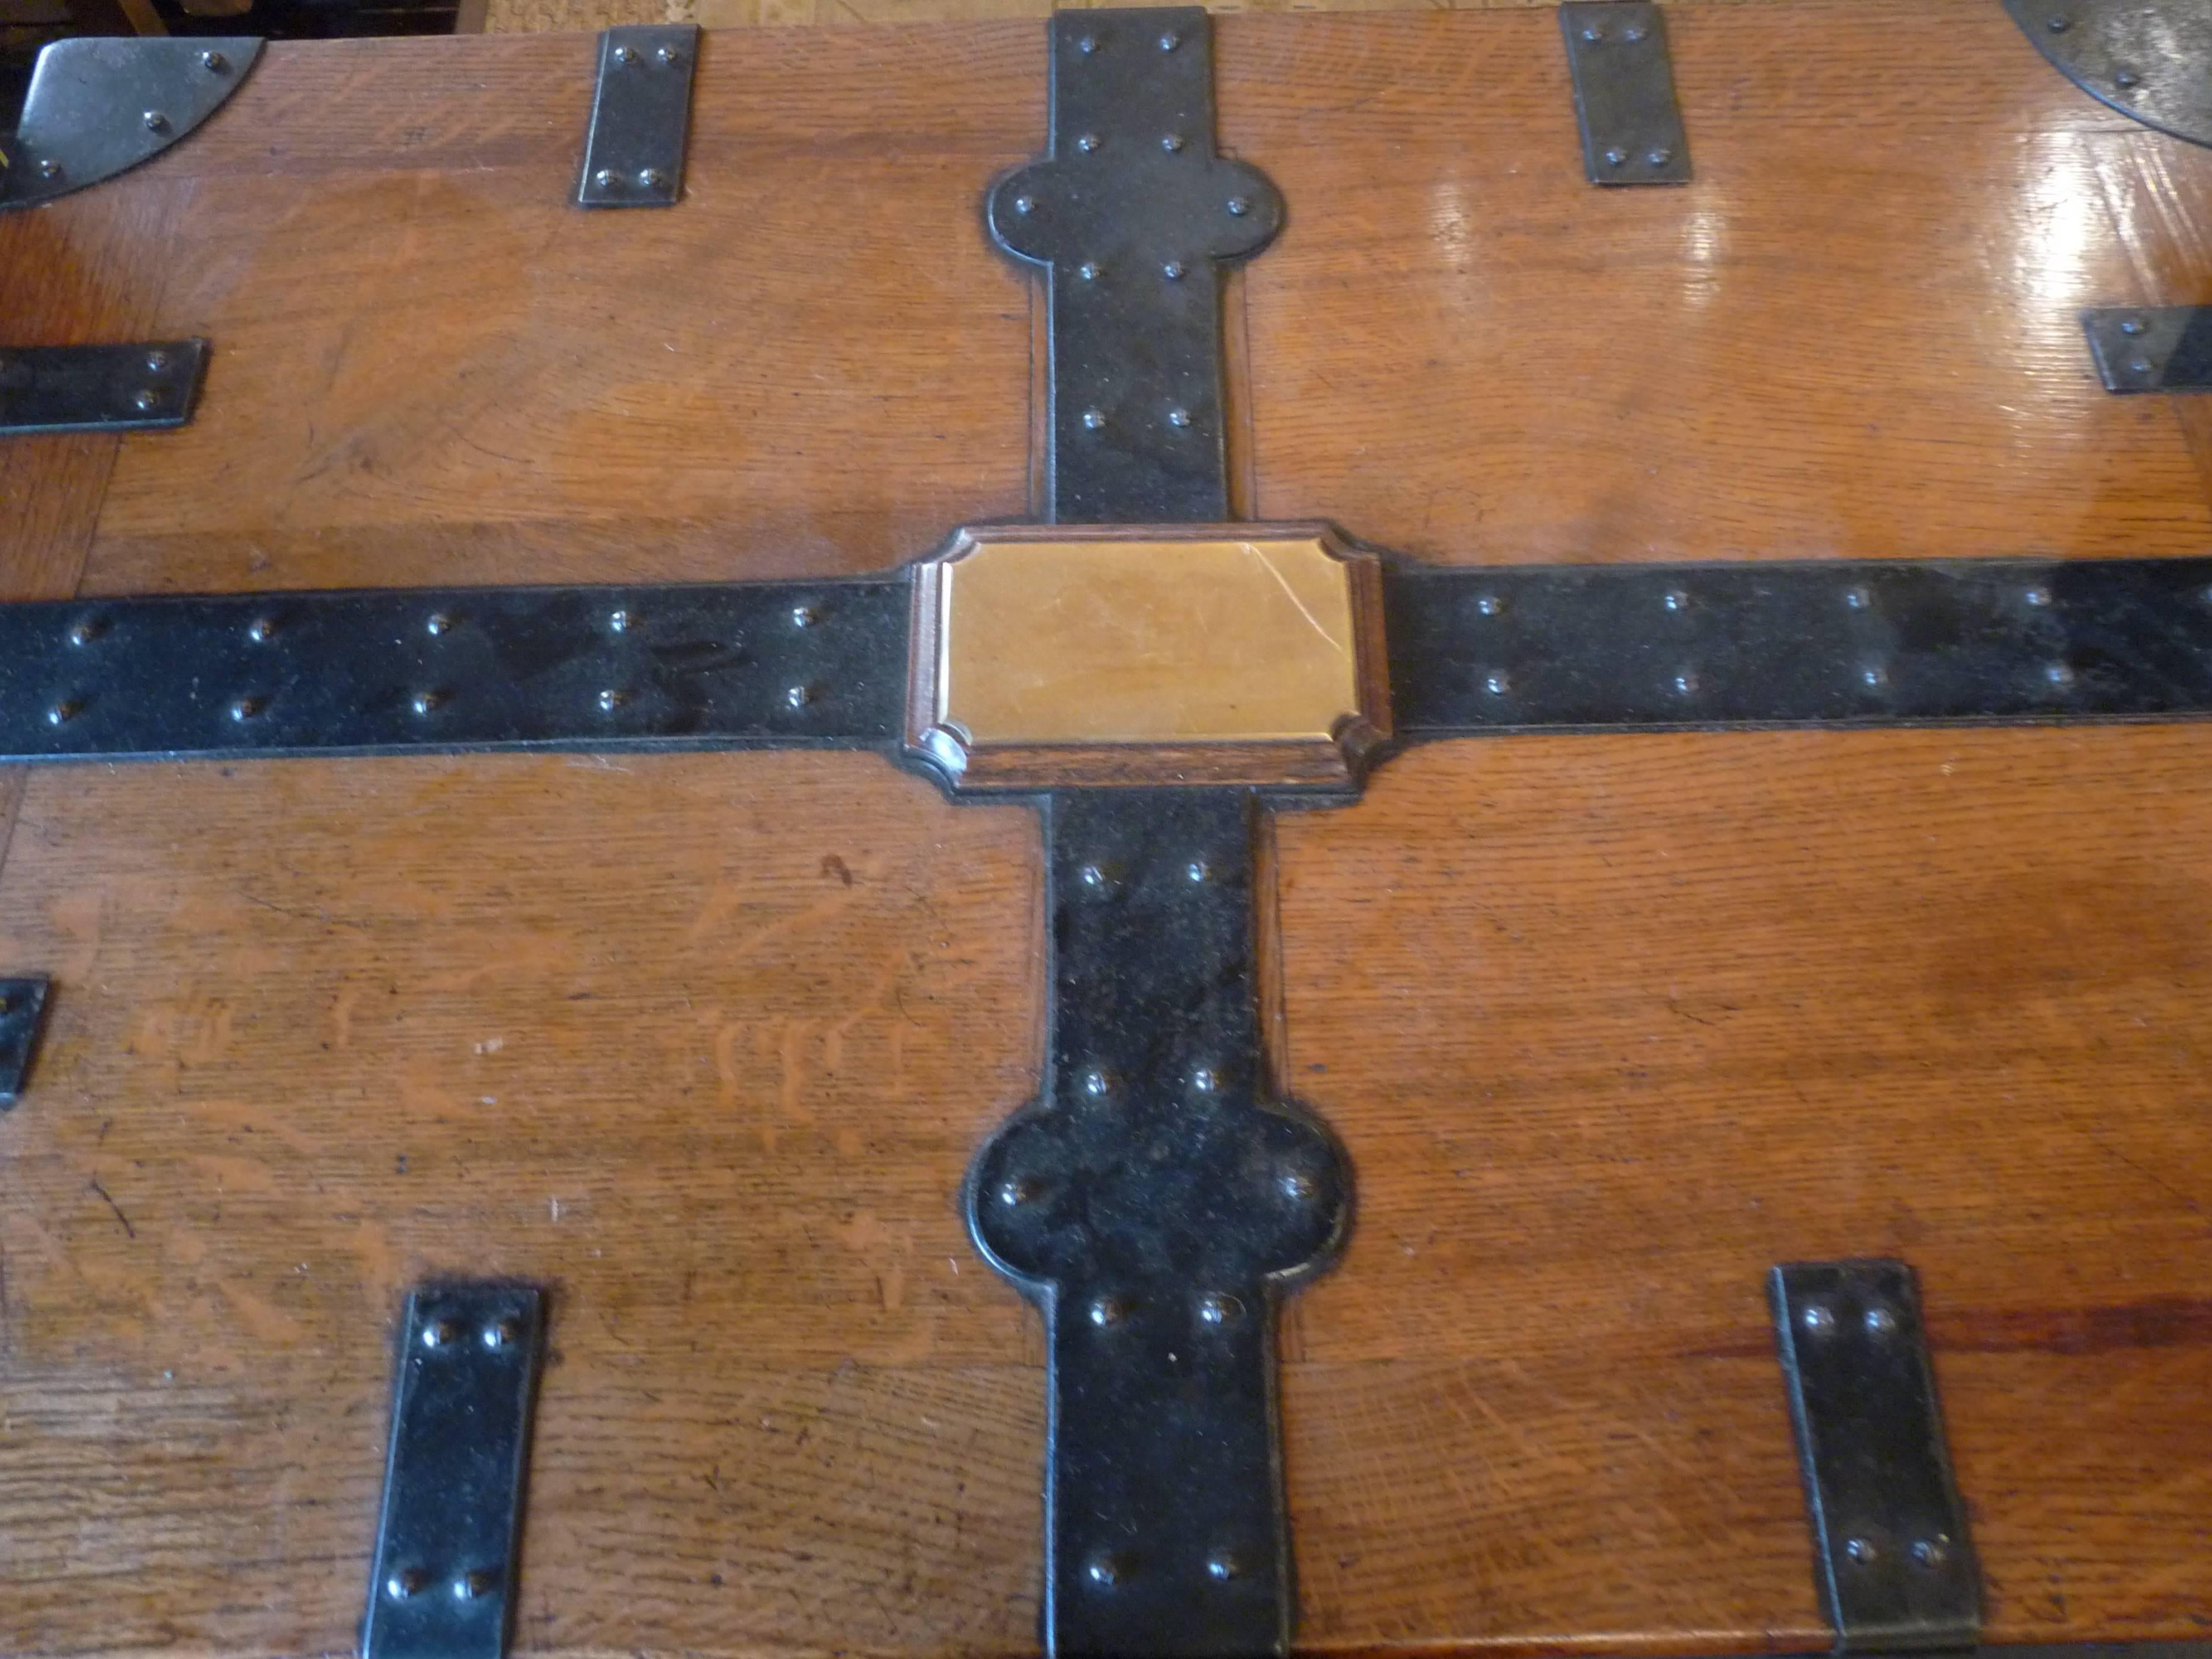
(1608,1025)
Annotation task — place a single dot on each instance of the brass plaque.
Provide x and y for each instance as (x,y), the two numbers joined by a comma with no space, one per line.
(1225,654)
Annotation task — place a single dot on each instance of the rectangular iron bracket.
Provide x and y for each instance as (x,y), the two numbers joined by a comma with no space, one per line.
(100,388)
(2151,348)
(640,116)
(1895,1568)
(452,1484)
(22,1007)
(1625,102)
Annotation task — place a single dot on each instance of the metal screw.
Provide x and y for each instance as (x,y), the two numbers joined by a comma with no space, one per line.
(1170,41)
(1873,674)
(156,122)
(1684,684)
(1172,270)
(1171,143)
(799,695)
(1223,1565)
(1490,604)
(1091,876)
(1086,44)
(437,622)
(49,168)
(1296,1184)
(1633,31)
(156,361)
(1196,869)
(1178,416)
(63,712)
(1088,271)
(1215,1309)
(2059,25)
(1496,684)
(502,1334)
(1025,204)
(1203,1080)
(1879,1322)
(652,179)
(1675,599)
(2126,78)
(1661,156)
(1818,1320)
(1093,419)
(86,630)
(407,1581)
(215,63)
(1592,32)
(1106,1570)
(618,621)
(1097,1084)
(261,629)
(1858,598)
(427,703)
(804,615)
(669,55)
(1615,156)
(611,699)
(2059,673)
(1861,1550)
(245,708)
(2131,326)
(1109,1310)
(2139,366)
(2036,598)
(1019,1191)
(1928,1552)
(147,401)
(440,1333)
(473,1583)
(625,54)
(1238,207)
(1087,142)
(604,178)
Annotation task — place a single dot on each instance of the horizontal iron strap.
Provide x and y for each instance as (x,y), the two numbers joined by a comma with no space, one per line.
(1842,643)
(755,665)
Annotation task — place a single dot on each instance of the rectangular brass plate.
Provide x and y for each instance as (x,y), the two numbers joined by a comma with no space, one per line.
(1222,654)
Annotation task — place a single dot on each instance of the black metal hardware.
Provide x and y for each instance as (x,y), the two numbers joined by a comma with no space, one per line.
(1834,643)
(445,1545)
(1133,216)
(2149,60)
(98,106)
(100,388)
(22,1007)
(1154,1202)
(640,116)
(1895,1568)
(1623,78)
(2151,348)
(763,664)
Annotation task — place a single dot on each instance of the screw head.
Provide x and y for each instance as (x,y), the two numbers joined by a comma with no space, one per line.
(670,54)
(147,401)
(1097,1084)
(2138,365)
(2058,25)
(63,712)
(438,622)
(799,696)
(1171,143)
(1088,271)
(1091,876)
(1086,44)
(604,178)
(618,621)
(1496,684)
(1018,1191)
(1203,1080)
(1093,419)
(1817,1319)
(1170,41)
(1178,416)
(1675,599)
(156,361)
(475,1582)
(245,708)
(1025,204)
(804,615)
(156,121)
(261,629)
(1879,1320)
(1633,31)
(611,699)
(1873,674)
(1087,141)
(1857,598)
(1109,1310)
(427,703)
(1296,1185)
(49,168)
(1684,683)
(1931,1552)
(2059,673)
(2131,326)
(1172,270)
(1660,156)
(501,1334)
(1215,1309)
(1490,604)
(1223,1565)
(1592,32)
(1862,1551)
(86,630)
(1616,156)
(442,1332)
(215,63)
(1238,207)
(1196,871)
(625,54)
(2126,78)
(1106,1570)
(652,179)
(406,1582)
(2036,598)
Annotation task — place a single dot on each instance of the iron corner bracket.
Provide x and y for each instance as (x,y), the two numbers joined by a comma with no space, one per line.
(99,107)
(2149,60)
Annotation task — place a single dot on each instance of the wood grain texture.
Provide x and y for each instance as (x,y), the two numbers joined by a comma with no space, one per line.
(1609,1025)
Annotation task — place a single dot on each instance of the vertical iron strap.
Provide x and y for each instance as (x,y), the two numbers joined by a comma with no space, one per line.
(1154,1202)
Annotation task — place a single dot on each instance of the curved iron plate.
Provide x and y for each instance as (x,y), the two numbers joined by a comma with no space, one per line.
(98,106)
(2149,60)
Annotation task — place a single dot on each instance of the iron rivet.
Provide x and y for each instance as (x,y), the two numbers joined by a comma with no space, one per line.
(625,54)
(473,1583)
(1106,1570)
(1490,604)
(407,1581)
(1215,1309)
(1172,270)
(1861,1550)
(1818,1320)
(147,401)
(1660,157)
(2036,598)
(1204,1080)
(261,629)
(2126,78)
(1109,1310)
(1091,876)
(2131,326)
(245,708)
(2059,25)
(502,1334)
(1223,1565)
(1097,1084)
(1171,143)
(1873,674)
(799,695)
(1928,1552)
(618,621)
(1676,600)
(214,62)
(86,630)
(611,699)
(1025,204)
(1684,684)
(804,615)
(1879,1322)
(1086,44)
(156,361)
(1018,1191)
(1178,416)
(1093,419)
(2139,366)
(1087,142)
(1238,207)
(1088,271)
(1592,32)
(63,712)
(1296,1184)
(440,1333)
(49,168)
(1496,684)
(1196,869)
(652,179)
(668,54)
(1858,598)
(2059,673)
(1615,156)
(437,622)
(1170,41)
(429,702)
(1633,31)
(156,122)
(604,178)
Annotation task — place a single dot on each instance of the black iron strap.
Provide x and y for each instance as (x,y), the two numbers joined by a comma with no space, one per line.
(761,664)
